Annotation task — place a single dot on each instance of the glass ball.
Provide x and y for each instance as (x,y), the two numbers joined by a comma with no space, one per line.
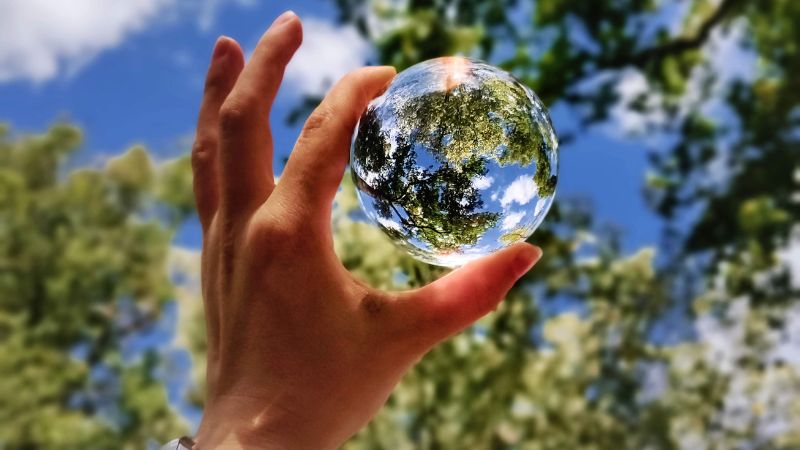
(455,160)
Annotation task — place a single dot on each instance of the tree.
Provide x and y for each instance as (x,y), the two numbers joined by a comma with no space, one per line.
(82,276)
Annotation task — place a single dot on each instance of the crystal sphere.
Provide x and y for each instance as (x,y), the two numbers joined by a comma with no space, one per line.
(455,160)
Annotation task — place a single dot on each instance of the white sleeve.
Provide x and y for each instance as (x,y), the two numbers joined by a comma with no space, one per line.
(183,443)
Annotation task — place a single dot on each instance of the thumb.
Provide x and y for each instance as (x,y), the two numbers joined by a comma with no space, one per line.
(463,296)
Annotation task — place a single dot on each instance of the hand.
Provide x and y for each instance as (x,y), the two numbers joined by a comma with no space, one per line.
(301,354)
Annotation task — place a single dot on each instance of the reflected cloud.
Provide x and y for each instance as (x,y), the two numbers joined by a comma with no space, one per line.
(482,182)
(522,191)
(512,220)
(389,223)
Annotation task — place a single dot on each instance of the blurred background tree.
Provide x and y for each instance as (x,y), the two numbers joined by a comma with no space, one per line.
(84,256)
(83,280)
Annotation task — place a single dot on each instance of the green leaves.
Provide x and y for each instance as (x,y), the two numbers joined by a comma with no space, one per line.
(479,118)
(439,206)
(82,269)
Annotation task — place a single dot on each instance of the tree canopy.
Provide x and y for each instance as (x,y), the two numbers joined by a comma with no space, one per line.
(484,118)
(82,274)
(439,206)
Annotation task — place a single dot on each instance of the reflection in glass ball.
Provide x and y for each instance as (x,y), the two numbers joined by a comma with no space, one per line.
(456,159)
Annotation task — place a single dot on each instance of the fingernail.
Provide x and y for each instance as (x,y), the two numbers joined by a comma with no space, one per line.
(283,18)
(220,48)
(525,259)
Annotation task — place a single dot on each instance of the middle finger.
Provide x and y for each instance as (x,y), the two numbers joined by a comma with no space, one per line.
(246,177)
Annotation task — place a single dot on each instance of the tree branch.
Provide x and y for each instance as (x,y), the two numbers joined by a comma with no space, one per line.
(676,46)
(408,221)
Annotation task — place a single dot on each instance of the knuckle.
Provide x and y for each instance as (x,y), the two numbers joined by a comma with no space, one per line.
(233,115)
(203,152)
(275,237)
(318,120)
(326,123)
(215,82)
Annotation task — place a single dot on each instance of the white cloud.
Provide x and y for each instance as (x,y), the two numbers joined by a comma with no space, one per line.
(482,182)
(39,38)
(522,190)
(207,11)
(184,262)
(728,60)
(512,219)
(327,53)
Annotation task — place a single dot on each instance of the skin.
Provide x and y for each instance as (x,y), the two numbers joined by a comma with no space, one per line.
(301,354)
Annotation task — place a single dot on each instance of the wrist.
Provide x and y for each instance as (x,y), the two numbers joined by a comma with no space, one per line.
(244,422)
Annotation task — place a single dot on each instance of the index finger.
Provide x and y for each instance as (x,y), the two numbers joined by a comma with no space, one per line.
(317,163)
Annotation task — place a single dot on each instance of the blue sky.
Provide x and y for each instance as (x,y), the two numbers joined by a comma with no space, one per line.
(136,76)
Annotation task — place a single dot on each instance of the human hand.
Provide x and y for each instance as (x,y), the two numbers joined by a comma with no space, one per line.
(301,354)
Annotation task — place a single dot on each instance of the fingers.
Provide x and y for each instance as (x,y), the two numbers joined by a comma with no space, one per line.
(455,301)
(227,61)
(317,163)
(246,175)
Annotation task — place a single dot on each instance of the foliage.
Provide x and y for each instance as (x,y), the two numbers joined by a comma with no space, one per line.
(491,120)
(439,206)
(82,275)
(475,119)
